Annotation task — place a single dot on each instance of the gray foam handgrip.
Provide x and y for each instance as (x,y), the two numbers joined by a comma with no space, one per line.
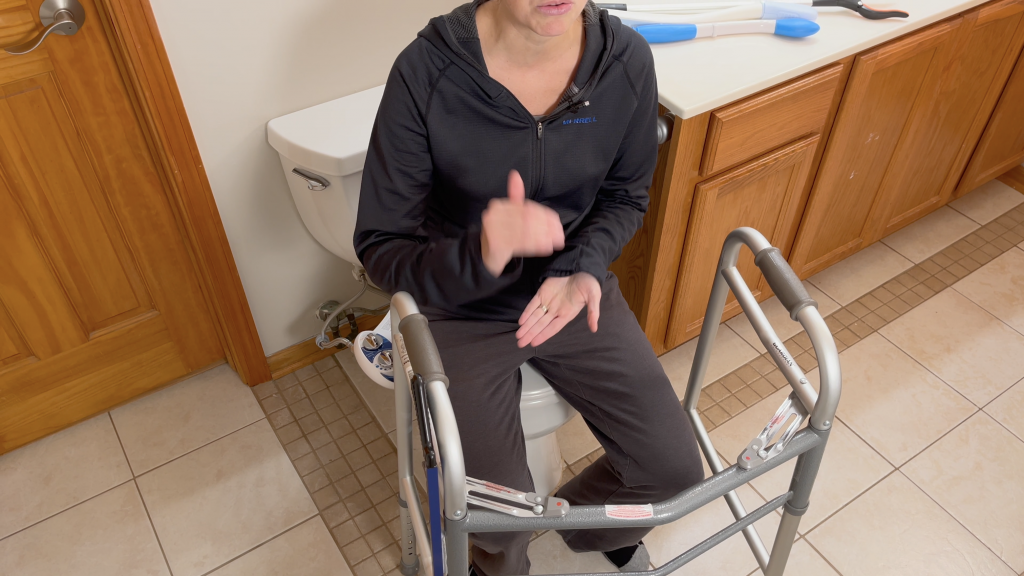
(419,343)
(784,281)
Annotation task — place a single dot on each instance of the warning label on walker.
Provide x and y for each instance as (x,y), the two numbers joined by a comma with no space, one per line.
(629,512)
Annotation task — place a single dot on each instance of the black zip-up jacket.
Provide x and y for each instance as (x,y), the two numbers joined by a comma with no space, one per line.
(446,137)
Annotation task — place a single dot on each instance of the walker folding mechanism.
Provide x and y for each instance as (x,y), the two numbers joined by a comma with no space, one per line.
(440,539)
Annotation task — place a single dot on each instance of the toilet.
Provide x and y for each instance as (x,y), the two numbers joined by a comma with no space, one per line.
(322,152)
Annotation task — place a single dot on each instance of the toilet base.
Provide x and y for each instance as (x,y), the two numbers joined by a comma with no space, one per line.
(545,462)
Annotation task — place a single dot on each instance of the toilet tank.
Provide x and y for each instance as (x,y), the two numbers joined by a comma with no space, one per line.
(327,144)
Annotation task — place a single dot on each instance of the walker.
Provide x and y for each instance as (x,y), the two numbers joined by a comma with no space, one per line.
(437,540)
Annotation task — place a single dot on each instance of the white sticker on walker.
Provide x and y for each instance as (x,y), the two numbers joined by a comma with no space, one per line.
(629,512)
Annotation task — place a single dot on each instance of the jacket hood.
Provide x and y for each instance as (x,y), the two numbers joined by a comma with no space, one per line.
(455,35)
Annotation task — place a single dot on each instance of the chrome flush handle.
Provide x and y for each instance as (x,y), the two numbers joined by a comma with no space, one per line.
(62,17)
(313,182)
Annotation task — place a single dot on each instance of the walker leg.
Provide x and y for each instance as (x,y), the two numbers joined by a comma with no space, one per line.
(807,465)
(403,415)
(456,541)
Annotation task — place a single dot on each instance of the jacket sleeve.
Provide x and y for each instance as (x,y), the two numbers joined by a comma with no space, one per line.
(618,210)
(397,180)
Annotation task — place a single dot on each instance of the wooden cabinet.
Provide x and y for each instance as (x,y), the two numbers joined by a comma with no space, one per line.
(829,163)
(911,116)
(880,99)
(766,194)
(1002,145)
(942,133)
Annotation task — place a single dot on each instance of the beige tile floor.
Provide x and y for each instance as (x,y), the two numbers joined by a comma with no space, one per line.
(922,476)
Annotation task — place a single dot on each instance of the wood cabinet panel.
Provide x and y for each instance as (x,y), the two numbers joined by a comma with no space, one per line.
(1002,145)
(761,123)
(880,98)
(765,194)
(649,263)
(937,142)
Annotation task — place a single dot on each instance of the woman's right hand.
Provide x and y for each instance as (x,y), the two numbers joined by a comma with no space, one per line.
(518,227)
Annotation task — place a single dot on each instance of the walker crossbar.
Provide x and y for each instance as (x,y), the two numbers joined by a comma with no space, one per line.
(511,510)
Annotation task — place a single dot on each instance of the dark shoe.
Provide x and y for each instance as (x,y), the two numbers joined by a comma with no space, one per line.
(630,558)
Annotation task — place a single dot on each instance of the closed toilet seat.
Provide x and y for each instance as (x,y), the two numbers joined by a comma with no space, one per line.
(541,408)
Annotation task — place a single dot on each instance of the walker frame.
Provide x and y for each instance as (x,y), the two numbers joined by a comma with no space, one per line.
(445,549)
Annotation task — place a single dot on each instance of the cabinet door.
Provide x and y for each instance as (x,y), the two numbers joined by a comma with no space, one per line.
(1002,145)
(765,194)
(880,99)
(938,140)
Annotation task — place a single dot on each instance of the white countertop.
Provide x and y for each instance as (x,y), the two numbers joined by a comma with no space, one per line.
(701,75)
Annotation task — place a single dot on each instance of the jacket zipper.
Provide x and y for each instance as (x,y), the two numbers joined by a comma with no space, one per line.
(538,161)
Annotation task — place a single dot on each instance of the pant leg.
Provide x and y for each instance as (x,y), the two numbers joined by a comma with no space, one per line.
(482,362)
(614,379)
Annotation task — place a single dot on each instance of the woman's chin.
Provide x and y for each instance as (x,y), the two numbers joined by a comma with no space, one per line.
(552,27)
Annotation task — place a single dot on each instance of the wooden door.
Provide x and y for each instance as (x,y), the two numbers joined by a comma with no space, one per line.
(941,135)
(765,194)
(1002,145)
(880,98)
(99,297)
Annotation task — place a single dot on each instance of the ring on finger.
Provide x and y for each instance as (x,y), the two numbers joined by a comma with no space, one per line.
(544,308)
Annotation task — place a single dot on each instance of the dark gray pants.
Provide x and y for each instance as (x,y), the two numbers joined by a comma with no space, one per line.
(613,379)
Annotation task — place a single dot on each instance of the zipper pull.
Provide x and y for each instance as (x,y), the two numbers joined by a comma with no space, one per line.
(540,130)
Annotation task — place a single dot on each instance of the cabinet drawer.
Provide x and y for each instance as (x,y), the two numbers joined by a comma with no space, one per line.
(761,123)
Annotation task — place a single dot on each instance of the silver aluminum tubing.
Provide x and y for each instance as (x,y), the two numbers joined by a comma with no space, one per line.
(594,517)
(450,448)
(716,304)
(771,341)
(445,427)
(419,524)
(403,305)
(709,330)
(828,367)
(688,556)
(403,440)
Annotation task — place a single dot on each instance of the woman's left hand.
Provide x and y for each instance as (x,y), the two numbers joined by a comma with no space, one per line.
(557,302)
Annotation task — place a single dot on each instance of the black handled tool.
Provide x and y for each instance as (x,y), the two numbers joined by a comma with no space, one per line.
(859,7)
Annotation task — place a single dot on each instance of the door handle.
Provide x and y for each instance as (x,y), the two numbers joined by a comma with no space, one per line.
(62,17)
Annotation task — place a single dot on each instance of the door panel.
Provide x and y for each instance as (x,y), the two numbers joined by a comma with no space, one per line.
(40,149)
(879,100)
(1002,145)
(932,155)
(765,194)
(99,297)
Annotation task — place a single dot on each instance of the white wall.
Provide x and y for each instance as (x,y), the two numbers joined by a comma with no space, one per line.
(240,64)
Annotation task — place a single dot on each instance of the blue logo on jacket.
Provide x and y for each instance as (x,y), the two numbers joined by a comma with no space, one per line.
(584,120)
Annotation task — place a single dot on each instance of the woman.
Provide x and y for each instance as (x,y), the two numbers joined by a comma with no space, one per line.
(509,165)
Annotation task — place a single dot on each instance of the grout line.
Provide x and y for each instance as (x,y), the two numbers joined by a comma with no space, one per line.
(283,532)
(929,370)
(152,526)
(1000,395)
(180,456)
(986,310)
(957,520)
(823,557)
(844,506)
(965,215)
(120,443)
(77,504)
(149,516)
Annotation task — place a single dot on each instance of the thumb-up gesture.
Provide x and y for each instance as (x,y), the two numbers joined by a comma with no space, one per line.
(515,226)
